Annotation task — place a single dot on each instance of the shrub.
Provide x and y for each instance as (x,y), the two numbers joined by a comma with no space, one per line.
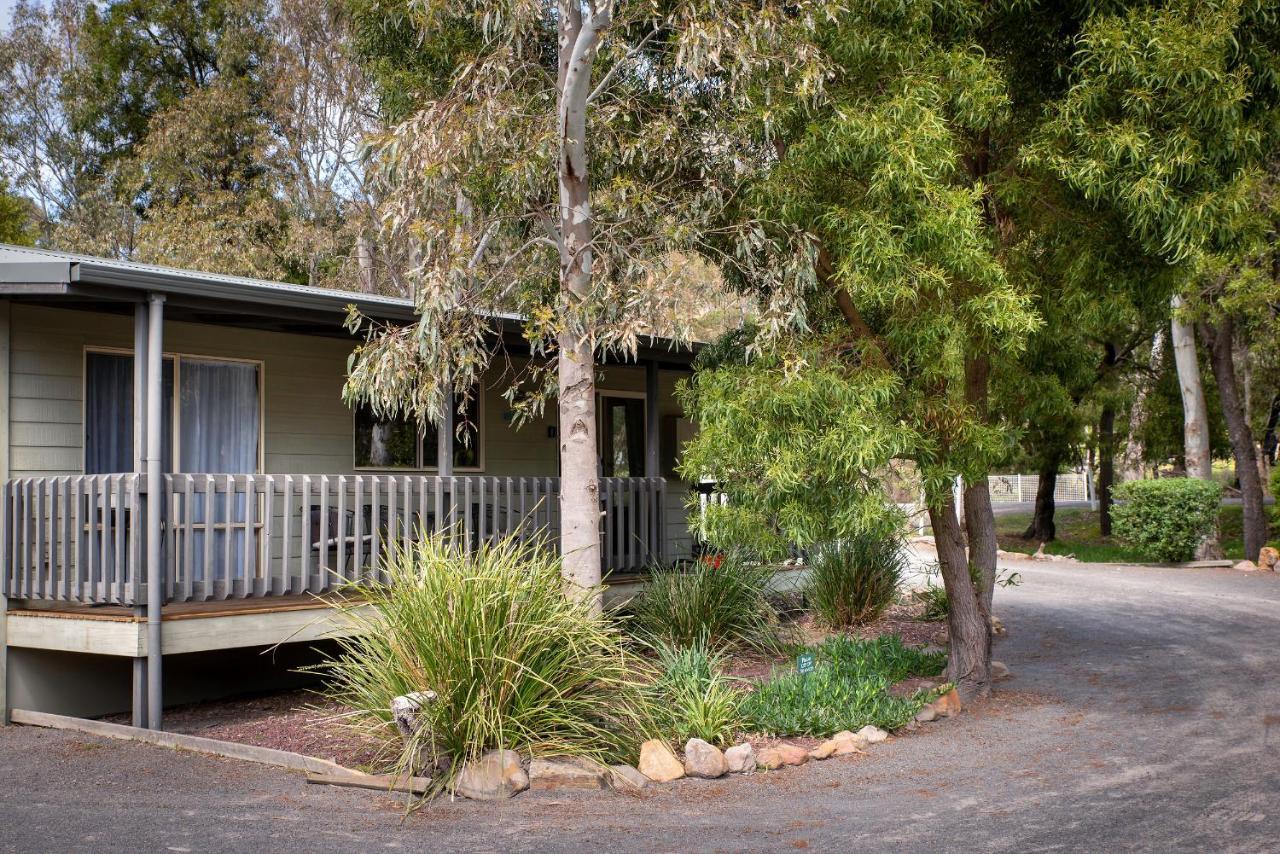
(514,661)
(852,581)
(726,606)
(934,598)
(692,698)
(848,689)
(1166,519)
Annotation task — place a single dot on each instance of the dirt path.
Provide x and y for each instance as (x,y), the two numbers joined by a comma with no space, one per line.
(1144,714)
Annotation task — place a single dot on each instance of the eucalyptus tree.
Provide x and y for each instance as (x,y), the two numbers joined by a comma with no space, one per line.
(1171,123)
(558,158)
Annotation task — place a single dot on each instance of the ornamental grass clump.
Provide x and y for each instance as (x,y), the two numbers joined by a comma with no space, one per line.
(847,689)
(1166,519)
(514,661)
(692,697)
(726,605)
(852,581)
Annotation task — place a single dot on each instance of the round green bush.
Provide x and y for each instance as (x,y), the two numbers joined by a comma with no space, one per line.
(1166,519)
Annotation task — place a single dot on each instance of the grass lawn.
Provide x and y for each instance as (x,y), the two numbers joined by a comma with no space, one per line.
(1078,535)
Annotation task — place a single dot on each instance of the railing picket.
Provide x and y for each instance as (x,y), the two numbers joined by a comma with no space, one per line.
(323,570)
(286,516)
(341,535)
(248,566)
(135,540)
(117,521)
(66,567)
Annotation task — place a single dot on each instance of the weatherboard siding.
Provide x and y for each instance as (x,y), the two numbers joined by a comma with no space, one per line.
(307,428)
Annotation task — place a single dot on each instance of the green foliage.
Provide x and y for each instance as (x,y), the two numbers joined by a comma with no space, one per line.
(141,57)
(725,606)
(514,661)
(1166,120)
(692,698)
(848,689)
(15,218)
(936,604)
(1166,519)
(797,438)
(852,581)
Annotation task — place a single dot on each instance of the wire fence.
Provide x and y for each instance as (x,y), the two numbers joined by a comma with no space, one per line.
(1019,488)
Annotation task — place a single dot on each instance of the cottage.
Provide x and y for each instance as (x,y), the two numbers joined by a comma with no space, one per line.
(181,478)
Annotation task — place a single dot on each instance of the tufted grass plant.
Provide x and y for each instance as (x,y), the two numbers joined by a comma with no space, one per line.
(725,606)
(853,581)
(693,698)
(516,663)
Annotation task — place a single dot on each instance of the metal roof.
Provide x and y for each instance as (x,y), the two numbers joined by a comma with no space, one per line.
(28,268)
(53,277)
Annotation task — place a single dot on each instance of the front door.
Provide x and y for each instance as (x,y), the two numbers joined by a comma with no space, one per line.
(621,436)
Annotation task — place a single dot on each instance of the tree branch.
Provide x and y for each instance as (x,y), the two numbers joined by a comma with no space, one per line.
(609,75)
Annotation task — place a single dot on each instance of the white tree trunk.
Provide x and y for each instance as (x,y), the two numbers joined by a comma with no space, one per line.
(1195,414)
(579,454)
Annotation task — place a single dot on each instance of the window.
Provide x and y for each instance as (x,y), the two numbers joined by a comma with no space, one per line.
(212,414)
(398,444)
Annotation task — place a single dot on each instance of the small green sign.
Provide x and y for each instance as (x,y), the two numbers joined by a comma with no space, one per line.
(804,663)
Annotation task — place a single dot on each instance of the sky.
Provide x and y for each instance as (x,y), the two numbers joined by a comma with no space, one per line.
(6,10)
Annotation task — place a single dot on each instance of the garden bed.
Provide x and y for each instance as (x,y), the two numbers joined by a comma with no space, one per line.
(302,721)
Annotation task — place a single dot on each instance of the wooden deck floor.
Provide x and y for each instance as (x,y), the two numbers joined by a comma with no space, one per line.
(175,611)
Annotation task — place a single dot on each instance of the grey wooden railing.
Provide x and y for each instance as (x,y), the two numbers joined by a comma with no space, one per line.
(79,538)
(75,538)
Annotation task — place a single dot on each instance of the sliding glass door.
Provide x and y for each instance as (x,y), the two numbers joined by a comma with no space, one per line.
(212,417)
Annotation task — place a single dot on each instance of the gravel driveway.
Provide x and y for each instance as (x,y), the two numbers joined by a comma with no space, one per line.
(1144,714)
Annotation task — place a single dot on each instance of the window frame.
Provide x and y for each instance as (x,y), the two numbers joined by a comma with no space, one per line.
(479,444)
(176,415)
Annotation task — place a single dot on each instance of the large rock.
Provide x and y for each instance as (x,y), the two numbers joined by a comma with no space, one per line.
(781,754)
(848,742)
(823,751)
(1246,566)
(1269,559)
(625,778)
(740,759)
(568,772)
(999,670)
(926,714)
(703,759)
(658,763)
(496,776)
(872,734)
(948,704)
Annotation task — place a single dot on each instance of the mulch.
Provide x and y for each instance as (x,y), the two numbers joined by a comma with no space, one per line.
(296,721)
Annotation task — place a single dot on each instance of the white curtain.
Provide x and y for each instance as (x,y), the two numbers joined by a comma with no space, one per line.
(218,430)
(218,424)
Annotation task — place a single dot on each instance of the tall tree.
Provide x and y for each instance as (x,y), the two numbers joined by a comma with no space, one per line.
(1195,412)
(904,173)
(557,158)
(1171,122)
